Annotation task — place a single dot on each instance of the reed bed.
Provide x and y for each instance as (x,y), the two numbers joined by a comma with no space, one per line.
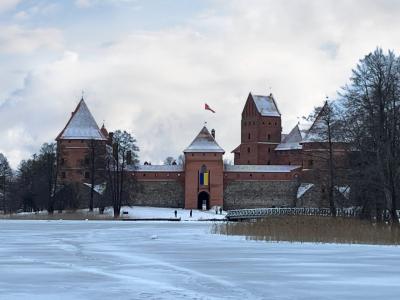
(314,229)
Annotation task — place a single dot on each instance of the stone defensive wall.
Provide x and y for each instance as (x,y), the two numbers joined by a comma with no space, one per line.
(260,186)
(259,194)
(159,186)
(244,186)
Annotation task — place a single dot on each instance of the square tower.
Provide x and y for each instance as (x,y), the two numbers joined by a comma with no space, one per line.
(82,148)
(261,131)
(204,171)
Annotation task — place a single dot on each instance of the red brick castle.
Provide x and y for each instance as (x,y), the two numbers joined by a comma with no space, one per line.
(267,171)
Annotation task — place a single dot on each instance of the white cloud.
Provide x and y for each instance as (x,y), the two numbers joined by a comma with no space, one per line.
(83,3)
(16,39)
(89,3)
(6,5)
(155,83)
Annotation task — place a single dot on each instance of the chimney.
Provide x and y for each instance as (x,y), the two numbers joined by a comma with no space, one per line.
(129,157)
(213,133)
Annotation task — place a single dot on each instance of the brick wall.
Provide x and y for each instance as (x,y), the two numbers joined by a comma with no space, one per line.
(160,194)
(252,194)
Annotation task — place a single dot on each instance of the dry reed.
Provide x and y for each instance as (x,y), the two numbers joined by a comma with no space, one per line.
(313,229)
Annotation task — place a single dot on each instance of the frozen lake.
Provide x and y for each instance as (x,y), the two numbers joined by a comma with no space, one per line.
(131,260)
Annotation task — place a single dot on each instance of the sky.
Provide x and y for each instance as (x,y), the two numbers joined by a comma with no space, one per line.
(148,66)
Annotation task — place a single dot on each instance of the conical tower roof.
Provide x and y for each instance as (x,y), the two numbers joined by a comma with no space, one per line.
(81,125)
(204,142)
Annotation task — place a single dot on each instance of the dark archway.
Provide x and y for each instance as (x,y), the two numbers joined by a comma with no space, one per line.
(203,198)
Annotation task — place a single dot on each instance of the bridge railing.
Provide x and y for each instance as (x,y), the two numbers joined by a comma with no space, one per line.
(253,213)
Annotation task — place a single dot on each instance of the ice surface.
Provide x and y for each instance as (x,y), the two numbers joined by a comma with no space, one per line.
(122,260)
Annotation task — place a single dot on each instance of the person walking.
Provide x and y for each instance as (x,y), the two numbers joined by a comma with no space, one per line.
(176,214)
(190,213)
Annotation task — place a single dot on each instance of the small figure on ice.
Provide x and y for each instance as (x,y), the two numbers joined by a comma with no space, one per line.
(176,213)
(190,213)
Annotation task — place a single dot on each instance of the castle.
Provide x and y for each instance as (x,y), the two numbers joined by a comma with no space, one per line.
(267,171)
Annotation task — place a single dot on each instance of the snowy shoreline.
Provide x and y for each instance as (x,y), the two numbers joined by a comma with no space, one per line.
(131,213)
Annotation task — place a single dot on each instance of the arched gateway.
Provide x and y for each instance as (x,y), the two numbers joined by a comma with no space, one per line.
(203,200)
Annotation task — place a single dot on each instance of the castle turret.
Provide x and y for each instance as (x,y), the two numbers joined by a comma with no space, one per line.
(77,142)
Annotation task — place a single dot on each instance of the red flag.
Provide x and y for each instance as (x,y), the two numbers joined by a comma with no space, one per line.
(206,107)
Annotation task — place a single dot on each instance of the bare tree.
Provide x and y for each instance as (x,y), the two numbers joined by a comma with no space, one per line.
(181,160)
(169,161)
(48,161)
(5,180)
(96,160)
(372,100)
(324,145)
(124,154)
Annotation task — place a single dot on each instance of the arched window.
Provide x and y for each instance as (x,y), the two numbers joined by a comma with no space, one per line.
(249,135)
(248,149)
(269,137)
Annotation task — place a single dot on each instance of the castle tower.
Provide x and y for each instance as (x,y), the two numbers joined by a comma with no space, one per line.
(79,141)
(261,131)
(203,172)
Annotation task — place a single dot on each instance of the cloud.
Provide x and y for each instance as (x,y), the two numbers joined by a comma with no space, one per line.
(19,40)
(89,3)
(83,3)
(6,5)
(154,83)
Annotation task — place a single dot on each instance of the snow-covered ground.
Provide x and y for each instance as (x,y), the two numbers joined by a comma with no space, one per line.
(182,260)
(144,212)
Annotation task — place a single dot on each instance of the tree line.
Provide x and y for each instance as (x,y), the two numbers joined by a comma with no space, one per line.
(360,133)
(36,184)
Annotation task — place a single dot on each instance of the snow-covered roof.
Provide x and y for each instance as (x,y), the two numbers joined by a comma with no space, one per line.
(81,125)
(98,188)
(318,129)
(156,168)
(303,188)
(204,142)
(293,139)
(266,105)
(261,168)
(344,190)
(236,150)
